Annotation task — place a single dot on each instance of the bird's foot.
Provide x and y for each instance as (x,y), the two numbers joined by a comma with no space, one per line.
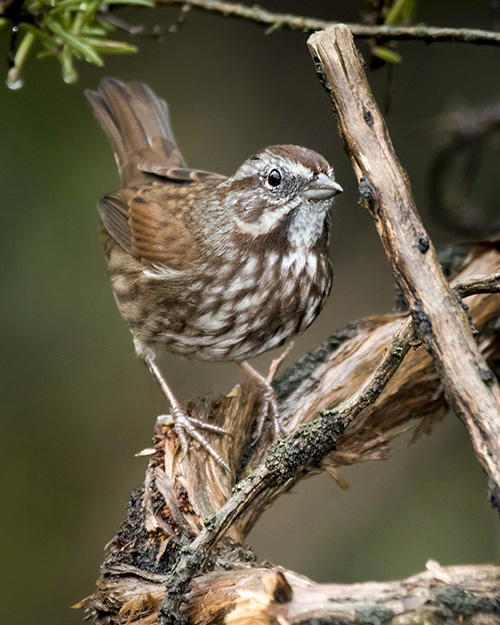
(187,427)
(277,362)
(269,404)
(269,407)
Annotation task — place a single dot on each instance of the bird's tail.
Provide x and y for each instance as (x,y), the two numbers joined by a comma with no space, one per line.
(138,125)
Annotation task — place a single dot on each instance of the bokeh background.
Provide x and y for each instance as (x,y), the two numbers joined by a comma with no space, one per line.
(75,403)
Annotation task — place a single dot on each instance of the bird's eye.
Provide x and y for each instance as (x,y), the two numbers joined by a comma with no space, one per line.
(274,178)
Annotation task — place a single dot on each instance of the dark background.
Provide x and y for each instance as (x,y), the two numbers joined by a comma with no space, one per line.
(76,405)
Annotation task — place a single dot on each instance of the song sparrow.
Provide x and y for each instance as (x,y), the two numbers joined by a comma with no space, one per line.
(209,267)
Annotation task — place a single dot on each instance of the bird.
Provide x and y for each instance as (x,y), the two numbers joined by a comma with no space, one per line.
(206,266)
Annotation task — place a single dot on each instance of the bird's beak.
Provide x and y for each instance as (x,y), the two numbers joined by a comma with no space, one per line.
(321,187)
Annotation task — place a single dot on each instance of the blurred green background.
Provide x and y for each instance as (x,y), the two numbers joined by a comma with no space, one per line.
(76,405)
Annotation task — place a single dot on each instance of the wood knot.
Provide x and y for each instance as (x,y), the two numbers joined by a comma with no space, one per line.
(487,377)
(422,320)
(278,587)
(368,117)
(366,189)
(421,242)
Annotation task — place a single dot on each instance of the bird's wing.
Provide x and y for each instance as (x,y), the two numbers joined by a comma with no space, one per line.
(178,174)
(153,223)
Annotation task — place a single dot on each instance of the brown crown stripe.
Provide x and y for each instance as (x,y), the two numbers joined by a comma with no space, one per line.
(314,161)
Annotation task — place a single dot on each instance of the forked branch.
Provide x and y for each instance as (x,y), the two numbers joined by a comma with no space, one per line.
(136,593)
(299,452)
(366,382)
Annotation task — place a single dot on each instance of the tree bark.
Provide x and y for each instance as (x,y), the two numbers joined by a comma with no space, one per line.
(440,320)
(180,497)
(465,595)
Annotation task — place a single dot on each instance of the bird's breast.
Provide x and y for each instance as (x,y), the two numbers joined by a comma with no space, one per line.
(234,311)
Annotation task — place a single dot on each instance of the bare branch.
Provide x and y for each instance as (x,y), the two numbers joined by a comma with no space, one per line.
(181,497)
(263,596)
(454,594)
(157,31)
(464,136)
(470,387)
(287,459)
(475,285)
(256,14)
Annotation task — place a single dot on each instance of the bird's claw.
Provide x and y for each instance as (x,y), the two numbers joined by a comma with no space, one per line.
(187,426)
(269,405)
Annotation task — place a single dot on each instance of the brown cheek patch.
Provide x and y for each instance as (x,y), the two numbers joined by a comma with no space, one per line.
(274,241)
(254,208)
(251,199)
(236,186)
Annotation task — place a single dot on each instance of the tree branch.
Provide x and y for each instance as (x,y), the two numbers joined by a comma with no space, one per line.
(440,320)
(174,507)
(256,14)
(460,594)
(189,515)
(475,285)
(290,456)
(445,595)
(464,136)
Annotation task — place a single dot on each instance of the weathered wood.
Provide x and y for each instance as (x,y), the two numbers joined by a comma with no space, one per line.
(441,322)
(450,595)
(263,596)
(180,497)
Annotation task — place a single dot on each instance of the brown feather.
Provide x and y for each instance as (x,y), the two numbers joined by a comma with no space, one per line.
(152,224)
(179,174)
(113,210)
(138,125)
(233,270)
(146,217)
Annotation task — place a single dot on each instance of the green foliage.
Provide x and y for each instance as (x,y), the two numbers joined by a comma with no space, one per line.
(400,12)
(68,30)
(386,54)
(74,30)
